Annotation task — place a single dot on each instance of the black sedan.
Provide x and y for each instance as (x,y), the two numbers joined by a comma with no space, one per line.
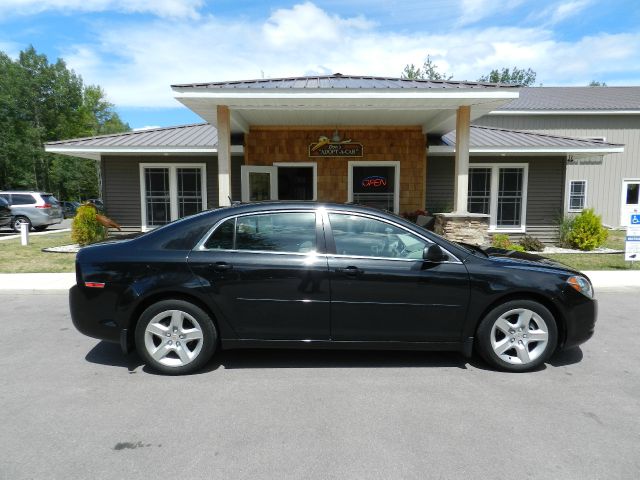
(308,275)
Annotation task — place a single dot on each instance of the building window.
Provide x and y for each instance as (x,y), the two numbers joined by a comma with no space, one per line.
(577,195)
(171,191)
(499,190)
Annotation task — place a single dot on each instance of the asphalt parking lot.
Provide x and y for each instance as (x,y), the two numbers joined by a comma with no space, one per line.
(76,408)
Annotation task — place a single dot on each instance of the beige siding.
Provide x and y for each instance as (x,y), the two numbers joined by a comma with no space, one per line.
(121,185)
(604,182)
(545,190)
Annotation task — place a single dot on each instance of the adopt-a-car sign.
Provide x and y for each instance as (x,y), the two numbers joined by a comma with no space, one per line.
(632,240)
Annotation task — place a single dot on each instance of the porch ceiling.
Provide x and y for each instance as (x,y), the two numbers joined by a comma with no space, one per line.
(434,111)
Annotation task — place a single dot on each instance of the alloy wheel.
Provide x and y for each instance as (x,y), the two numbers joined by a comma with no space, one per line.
(519,336)
(173,338)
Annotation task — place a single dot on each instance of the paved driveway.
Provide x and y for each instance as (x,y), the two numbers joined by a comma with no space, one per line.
(75,408)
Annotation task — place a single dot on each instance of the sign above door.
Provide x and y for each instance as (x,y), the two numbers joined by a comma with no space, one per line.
(326,147)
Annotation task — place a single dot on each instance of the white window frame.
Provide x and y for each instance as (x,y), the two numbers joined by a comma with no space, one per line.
(272,170)
(493,204)
(364,163)
(624,214)
(173,188)
(576,210)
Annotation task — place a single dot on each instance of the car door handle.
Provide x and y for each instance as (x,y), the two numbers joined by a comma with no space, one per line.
(349,271)
(221,266)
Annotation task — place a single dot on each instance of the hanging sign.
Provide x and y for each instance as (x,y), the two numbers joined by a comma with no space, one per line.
(327,148)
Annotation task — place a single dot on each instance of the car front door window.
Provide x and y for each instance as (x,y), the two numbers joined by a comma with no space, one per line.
(367,237)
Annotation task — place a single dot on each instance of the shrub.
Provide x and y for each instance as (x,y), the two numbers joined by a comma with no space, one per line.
(531,244)
(565,225)
(587,231)
(85,228)
(501,240)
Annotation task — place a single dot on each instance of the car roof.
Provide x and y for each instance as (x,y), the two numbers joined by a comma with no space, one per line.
(22,192)
(270,205)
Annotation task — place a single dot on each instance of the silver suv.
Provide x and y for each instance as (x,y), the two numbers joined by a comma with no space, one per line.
(37,209)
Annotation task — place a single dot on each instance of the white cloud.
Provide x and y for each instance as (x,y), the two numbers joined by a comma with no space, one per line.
(561,11)
(472,11)
(161,8)
(136,66)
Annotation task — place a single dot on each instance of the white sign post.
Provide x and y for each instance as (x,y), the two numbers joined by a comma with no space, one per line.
(24,233)
(632,240)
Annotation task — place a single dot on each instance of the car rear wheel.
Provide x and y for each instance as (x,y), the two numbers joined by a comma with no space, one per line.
(517,336)
(175,337)
(19,220)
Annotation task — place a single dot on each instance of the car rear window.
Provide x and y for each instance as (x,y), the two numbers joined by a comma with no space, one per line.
(50,199)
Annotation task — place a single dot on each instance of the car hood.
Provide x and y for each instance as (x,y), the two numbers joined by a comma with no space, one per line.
(525,259)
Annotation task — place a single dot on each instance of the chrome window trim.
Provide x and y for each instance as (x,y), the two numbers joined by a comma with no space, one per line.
(322,211)
(200,245)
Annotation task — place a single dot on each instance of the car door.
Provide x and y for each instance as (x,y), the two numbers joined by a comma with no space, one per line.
(382,290)
(264,273)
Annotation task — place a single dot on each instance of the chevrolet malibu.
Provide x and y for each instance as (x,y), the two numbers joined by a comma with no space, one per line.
(309,275)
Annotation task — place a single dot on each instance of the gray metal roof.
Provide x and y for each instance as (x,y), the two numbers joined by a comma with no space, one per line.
(339,81)
(200,135)
(482,137)
(576,98)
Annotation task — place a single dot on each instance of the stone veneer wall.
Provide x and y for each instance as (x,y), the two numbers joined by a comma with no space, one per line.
(267,145)
(469,228)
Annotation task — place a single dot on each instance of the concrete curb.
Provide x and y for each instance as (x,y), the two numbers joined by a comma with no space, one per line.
(32,282)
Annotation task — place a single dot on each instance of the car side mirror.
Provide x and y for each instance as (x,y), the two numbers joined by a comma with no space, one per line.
(434,253)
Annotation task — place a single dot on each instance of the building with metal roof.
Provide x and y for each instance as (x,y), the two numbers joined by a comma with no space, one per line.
(321,137)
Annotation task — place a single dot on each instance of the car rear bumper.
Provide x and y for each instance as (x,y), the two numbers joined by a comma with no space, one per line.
(93,313)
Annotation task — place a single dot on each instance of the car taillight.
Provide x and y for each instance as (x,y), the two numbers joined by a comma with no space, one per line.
(94,284)
(46,205)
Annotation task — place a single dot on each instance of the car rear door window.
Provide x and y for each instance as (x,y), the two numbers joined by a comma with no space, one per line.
(355,235)
(22,199)
(291,232)
(222,237)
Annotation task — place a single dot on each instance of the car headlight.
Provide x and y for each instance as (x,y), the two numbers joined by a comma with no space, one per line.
(582,285)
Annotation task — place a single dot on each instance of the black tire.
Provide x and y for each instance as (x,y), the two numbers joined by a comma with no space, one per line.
(40,228)
(15,222)
(505,350)
(150,337)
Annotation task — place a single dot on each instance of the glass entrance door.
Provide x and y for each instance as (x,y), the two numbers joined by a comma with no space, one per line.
(630,200)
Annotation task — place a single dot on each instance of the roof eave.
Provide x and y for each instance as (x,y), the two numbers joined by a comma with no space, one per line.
(565,112)
(96,152)
(450,150)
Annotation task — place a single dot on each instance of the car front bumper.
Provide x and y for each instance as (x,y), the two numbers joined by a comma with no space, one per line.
(580,322)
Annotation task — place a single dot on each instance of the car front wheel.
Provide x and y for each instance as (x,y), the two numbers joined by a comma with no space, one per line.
(175,337)
(517,336)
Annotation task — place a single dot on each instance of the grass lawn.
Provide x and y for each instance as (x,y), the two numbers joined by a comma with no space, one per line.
(14,258)
(599,261)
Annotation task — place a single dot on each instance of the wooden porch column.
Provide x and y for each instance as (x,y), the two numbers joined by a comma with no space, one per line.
(224,155)
(461,192)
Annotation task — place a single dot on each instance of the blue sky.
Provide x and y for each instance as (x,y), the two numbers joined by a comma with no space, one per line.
(135,49)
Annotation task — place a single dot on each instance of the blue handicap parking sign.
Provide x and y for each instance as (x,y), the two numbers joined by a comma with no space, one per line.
(635,219)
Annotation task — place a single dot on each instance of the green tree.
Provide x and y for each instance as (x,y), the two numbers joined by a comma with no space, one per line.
(40,102)
(595,83)
(517,76)
(429,71)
